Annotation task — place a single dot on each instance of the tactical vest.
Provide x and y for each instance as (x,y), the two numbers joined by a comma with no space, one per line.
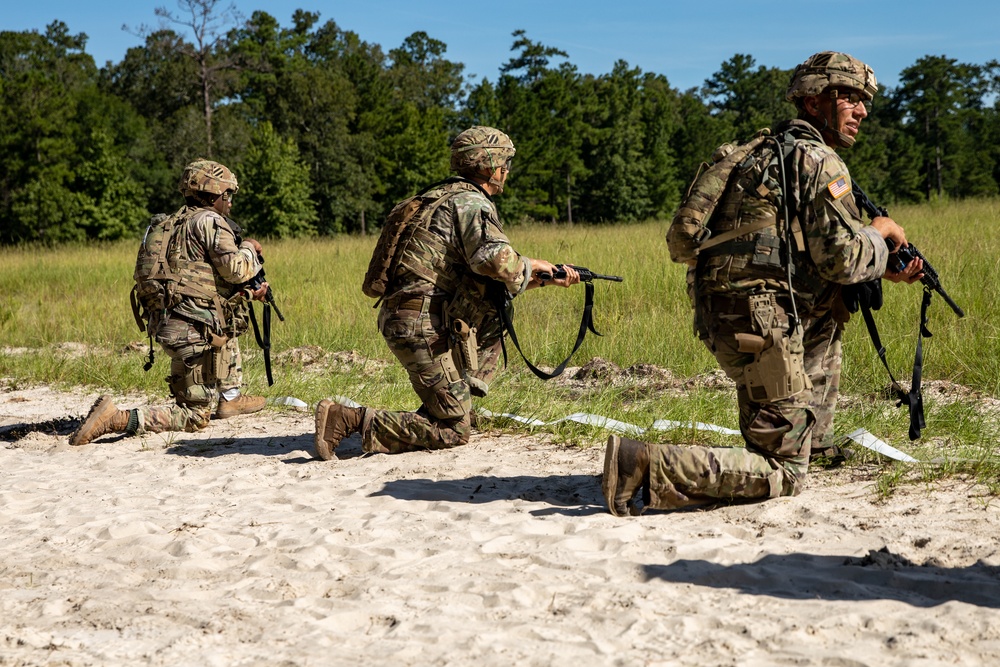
(164,275)
(407,244)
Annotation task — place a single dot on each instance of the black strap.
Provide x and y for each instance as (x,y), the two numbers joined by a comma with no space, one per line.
(263,343)
(586,324)
(914,400)
(149,362)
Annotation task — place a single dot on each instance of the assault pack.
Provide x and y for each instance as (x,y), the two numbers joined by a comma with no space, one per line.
(149,293)
(688,233)
(159,285)
(415,211)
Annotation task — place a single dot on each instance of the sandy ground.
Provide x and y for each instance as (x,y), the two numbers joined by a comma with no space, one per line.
(234,547)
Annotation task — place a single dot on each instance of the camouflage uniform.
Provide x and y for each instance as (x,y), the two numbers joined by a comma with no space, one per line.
(199,372)
(833,247)
(441,277)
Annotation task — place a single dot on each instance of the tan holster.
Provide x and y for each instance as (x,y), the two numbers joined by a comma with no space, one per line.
(778,369)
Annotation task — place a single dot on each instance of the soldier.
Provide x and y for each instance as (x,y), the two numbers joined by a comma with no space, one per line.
(436,315)
(198,328)
(780,342)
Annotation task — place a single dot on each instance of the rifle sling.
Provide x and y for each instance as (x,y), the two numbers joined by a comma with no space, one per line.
(914,400)
(586,323)
(263,343)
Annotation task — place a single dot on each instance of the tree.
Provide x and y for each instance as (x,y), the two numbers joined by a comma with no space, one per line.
(940,104)
(542,108)
(275,187)
(750,98)
(66,167)
(214,64)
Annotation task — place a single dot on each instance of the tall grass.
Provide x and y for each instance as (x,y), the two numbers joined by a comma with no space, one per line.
(80,295)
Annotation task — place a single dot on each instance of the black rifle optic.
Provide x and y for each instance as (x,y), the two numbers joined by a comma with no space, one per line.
(264,342)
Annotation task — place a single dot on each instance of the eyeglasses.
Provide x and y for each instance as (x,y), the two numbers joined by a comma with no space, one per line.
(506,165)
(227,195)
(852,97)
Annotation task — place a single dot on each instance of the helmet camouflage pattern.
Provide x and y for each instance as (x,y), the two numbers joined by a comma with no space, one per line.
(480,148)
(207,176)
(831,69)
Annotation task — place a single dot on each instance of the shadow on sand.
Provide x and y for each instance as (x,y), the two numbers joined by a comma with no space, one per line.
(881,575)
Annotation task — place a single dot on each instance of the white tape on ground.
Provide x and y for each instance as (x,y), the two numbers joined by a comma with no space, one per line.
(860,436)
(866,439)
(613,424)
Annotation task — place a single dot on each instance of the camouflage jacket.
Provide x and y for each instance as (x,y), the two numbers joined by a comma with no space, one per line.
(832,244)
(206,244)
(460,249)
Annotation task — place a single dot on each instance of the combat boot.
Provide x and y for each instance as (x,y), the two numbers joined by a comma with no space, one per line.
(102,419)
(334,422)
(626,471)
(241,405)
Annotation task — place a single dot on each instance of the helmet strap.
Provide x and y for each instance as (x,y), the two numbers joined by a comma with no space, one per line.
(839,139)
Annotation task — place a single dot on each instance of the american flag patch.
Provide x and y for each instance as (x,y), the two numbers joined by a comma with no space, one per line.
(839,187)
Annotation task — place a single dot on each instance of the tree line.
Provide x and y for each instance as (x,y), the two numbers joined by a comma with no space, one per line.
(326,131)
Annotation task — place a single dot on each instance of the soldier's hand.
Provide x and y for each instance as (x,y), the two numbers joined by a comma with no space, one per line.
(890,231)
(257,247)
(260,292)
(540,267)
(910,274)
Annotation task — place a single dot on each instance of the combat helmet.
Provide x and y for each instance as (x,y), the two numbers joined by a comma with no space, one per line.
(206,176)
(831,69)
(480,148)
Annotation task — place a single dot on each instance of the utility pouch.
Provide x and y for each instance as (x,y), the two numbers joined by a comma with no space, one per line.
(464,340)
(216,362)
(778,369)
(449,368)
(466,346)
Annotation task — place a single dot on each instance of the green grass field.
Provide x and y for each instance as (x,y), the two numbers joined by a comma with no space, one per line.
(80,295)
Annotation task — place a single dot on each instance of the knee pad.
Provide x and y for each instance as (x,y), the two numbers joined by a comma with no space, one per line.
(187,381)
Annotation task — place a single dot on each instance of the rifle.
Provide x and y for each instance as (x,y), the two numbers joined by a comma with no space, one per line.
(496,293)
(586,275)
(264,342)
(913,399)
(904,256)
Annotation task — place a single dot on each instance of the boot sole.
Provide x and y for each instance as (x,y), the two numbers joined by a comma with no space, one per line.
(321,448)
(609,485)
(92,418)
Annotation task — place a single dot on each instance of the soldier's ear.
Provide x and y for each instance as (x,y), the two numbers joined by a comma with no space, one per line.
(811,104)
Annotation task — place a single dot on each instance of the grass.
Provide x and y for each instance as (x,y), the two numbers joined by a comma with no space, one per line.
(80,295)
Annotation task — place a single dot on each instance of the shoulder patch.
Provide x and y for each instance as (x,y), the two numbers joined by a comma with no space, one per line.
(839,187)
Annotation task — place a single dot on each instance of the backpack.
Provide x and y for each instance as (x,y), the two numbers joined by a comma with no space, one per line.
(152,270)
(415,210)
(688,233)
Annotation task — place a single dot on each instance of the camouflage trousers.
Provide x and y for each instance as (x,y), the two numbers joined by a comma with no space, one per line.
(420,341)
(199,373)
(779,435)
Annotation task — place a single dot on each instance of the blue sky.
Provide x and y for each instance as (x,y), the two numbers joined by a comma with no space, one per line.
(686,41)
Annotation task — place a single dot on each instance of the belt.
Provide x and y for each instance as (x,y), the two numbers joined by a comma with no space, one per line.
(434,306)
(740,305)
(735,305)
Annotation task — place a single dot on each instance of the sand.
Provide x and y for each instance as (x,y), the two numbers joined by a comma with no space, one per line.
(234,546)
